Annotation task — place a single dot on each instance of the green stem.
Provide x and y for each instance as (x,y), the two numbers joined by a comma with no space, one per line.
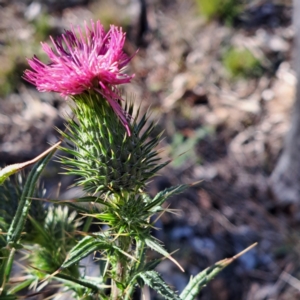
(139,254)
(121,269)
(129,293)
(115,291)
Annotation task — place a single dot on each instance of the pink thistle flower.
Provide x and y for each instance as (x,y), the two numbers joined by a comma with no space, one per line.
(84,62)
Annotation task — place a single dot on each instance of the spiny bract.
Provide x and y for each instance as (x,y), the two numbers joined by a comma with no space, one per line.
(104,157)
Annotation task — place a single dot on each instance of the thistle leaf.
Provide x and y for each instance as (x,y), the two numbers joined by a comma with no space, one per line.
(18,222)
(86,246)
(153,279)
(153,244)
(94,201)
(83,282)
(10,194)
(199,281)
(162,196)
(17,225)
(21,286)
(151,265)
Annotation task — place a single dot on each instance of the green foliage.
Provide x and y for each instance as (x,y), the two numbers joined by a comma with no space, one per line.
(10,194)
(6,296)
(17,225)
(225,10)
(155,245)
(154,205)
(200,280)
(86,246)
(131,213)
(84,288)
(22,285)
(241,63)
(154,280)
(54,238)
(104,158)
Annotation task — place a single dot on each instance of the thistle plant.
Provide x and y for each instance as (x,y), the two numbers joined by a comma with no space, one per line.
(112,149)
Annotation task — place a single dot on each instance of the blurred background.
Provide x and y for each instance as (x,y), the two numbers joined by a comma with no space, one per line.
(219,76)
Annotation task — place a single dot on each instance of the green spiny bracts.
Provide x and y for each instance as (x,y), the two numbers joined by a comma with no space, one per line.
(126,211)
(104,157)
(132,212)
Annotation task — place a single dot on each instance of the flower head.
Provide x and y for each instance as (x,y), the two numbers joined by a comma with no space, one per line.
(84,61)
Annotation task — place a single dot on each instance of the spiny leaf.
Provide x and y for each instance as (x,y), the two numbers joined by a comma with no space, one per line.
(6,266)
(87,199)
(163,195)
(39,228)
(17,224)
(21,285)
(199,281)
(88,283)
(153,279)
(10,194)
(151,265)
(153,244)
(106,217)
(86,246)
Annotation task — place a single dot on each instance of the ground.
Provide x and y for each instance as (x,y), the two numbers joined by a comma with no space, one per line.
(224,127)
